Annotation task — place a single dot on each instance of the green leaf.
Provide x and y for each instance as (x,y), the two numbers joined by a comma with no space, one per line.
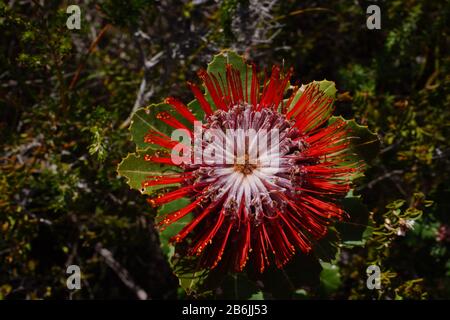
(203,283)
(326,86)
(238,287)
(365,143)
(190,276)
(136,170)
(300,294)
(330,278)
(326,249)
(301,272)
(257,296)
(218,67)
(351,231)
(196,110)
(191,281)
(167,248)
(145,119)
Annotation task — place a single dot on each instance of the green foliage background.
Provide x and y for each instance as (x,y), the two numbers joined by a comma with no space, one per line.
(66,97)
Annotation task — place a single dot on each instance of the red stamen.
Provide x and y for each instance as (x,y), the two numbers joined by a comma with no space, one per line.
(181,108)
(200,98)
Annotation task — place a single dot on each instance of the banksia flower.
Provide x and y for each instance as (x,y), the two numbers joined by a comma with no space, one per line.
(252,202)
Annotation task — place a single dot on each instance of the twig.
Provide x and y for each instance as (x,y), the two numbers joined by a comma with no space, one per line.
(73,254)
(142,95)
(121,272)
(91,48)
(137,102)
(380,178)
(392,146)
(301,11)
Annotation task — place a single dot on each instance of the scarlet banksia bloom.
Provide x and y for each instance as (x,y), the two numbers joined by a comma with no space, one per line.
(250,203)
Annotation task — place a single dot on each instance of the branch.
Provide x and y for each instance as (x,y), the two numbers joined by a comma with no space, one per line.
(380,178)
(121,272)
(142,96)
(91,48)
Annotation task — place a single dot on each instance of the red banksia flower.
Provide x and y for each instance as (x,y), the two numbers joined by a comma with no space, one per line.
(260,205)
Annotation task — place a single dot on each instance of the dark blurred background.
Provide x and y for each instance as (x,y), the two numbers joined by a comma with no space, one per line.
(66,97)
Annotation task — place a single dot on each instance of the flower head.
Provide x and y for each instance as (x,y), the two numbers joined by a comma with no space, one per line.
(251,200)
